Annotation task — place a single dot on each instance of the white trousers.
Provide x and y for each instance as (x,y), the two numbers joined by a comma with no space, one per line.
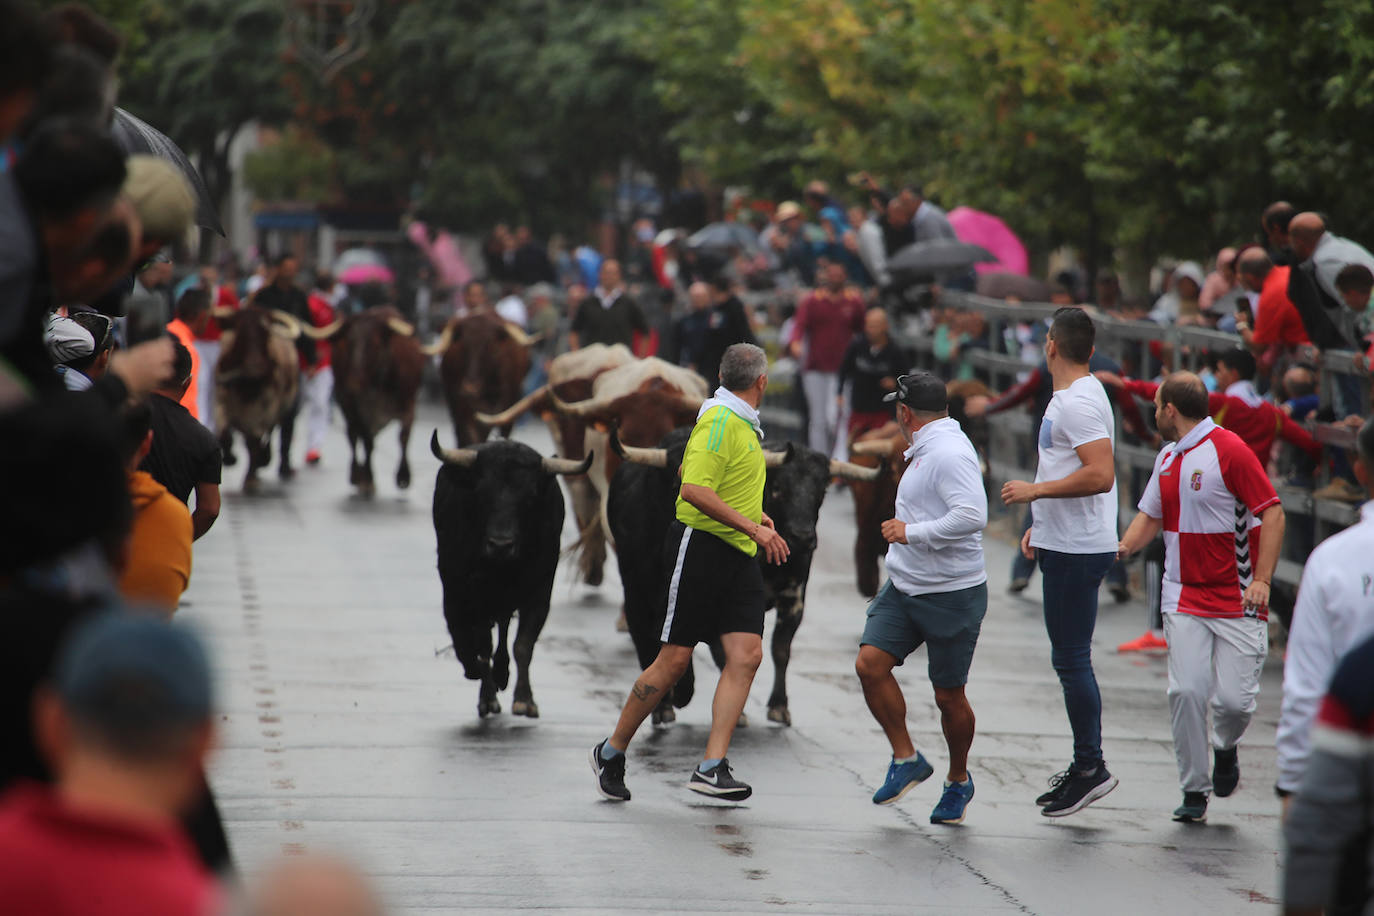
(319,388)
(208,351)
(822,389)
(1214,662)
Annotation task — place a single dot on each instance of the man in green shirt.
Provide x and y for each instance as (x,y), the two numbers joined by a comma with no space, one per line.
(716,586)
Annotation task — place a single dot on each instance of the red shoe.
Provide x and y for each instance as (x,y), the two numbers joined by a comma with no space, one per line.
(1145,643)
(312,457)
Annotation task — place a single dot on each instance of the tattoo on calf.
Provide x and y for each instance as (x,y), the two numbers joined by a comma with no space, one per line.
(643,691)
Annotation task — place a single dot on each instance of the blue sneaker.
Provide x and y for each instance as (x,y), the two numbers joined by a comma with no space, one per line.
(901,777)
(953,803)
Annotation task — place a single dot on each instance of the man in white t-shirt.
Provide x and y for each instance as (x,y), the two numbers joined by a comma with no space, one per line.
(1073,530)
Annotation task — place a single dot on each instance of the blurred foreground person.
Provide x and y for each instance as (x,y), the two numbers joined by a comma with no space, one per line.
(1334,807)
(126,726)
(314,887)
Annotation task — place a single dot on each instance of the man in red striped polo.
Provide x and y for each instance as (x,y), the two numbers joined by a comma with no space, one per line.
(1223,527)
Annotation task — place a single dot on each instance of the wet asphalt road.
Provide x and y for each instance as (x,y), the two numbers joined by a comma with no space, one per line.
(348,728)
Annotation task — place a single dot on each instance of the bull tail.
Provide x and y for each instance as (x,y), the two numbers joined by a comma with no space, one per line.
(589,551)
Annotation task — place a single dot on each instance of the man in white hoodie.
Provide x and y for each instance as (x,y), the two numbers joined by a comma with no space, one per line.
(936,594)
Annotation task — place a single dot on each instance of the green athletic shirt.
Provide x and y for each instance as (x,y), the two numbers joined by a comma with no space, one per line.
(724,454)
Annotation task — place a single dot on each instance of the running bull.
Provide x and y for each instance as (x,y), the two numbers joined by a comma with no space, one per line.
(642,500)
(378,365)
(257,379)
(498,514)
(483,366)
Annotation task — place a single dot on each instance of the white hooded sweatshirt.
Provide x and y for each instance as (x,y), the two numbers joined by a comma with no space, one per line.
(942,500)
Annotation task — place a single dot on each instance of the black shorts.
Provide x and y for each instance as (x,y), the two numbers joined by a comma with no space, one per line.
(714,588)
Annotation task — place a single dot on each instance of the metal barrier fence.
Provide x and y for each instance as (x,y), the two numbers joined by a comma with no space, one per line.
(1011,454)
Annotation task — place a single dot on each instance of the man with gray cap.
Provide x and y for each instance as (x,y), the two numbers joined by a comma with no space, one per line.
(936,593)
(127,726)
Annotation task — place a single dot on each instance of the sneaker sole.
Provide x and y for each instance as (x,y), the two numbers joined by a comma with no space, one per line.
(1186,819)
(905,789)
(1092,796)
(956,820)
(596,770)
(710,791)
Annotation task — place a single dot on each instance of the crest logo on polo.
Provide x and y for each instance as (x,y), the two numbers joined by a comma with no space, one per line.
(1197,480)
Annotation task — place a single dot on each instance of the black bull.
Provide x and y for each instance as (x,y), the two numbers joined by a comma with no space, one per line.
(498,514)
(642,497)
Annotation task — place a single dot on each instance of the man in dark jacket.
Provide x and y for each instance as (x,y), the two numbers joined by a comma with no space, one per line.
(609,315)
(726,325)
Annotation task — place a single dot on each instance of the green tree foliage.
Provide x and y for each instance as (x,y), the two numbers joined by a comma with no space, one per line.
(1157,125)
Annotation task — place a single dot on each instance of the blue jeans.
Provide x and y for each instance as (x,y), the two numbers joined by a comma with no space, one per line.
(1021,568)
(1070,583)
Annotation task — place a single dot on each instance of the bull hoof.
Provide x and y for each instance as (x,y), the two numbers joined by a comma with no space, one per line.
(228,459)
(485,707)
(355,475)
(780,715)
(525,708)
(252,485)
(367,488)
(743,721)
(664,715)
(403,479)
(594,576)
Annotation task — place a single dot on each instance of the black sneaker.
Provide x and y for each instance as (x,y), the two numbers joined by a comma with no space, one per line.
(718,782)
(1018,585)
(1225,772)
(1193,810)
(1079,790)
(610,775)
(1057,782)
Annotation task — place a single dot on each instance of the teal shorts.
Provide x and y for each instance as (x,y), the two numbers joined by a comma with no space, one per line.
(947,622)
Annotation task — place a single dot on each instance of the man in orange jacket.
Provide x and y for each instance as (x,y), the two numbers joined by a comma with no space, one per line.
(193,316)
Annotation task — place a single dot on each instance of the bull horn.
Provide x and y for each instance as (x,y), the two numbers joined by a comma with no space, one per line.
(882,448)
(510,414)
(288,321)
(440,345)
(401,326)
(518,335)
(459,457)
(848,471)
(323,333)
(567,465)
(581,409)
(652,457)
(777,459)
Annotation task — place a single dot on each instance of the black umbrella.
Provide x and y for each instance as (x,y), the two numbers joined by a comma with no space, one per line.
(138,136)
(1009,286)
(724,235)
(938,256)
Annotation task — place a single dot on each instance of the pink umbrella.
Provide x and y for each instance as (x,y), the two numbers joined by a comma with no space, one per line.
(360,274)
(979,228)
(443,254)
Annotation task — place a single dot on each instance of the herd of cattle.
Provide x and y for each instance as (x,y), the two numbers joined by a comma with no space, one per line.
(620,424)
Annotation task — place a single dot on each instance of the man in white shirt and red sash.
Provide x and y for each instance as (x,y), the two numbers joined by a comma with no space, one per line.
(1223,527)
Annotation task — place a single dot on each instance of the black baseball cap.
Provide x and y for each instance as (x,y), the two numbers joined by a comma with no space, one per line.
(920,391)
